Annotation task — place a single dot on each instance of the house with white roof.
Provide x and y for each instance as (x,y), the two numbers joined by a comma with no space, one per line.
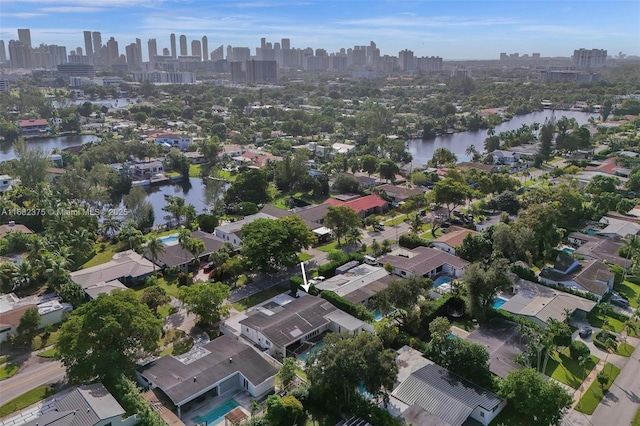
(12,308)
(424,262)
(6,183)
(359,284)
(128,267)
(173,140)
(232,232)
(618,228)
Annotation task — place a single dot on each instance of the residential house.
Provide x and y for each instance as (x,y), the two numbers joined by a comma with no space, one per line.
(591,276)
(618,228)
(611,167)
(13,227)
(399,194)
(232,232)
(220,368)
(175,256)
(86,405)
(195,157)
(284,325)
(6,183)
(128,267)
(230,151)
(358,284)
(103,287)
(312,216)
(340,148)
(453,239)
(489,168)
(539,303)
(505,158)
(146,169)
(173,140)
(12,308)
(367,182)
(503,342)
(599,248)
(363,206)
(33,127)
(54,173)
(319,150)
(424,262)
(428,394)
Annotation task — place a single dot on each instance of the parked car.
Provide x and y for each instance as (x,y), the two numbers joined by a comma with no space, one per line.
(378,226)
(320,278)
(208,267)
(585,332)
(620,302)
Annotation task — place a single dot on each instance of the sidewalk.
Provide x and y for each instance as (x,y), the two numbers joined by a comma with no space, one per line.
(587,382)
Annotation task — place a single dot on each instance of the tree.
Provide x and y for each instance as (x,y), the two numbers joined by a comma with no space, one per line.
(73,293)
(269,245)
(32,164)
(451,193)
(369,164)
(340,220)
(603,378)
(443,156)
(28,326)
(140,210)
(154,297)
(347,361)
(206,301)
(196,247)
(388,170)
(287,372)
(537,400)
(284,411)
(346,184)
(484,284)
(474,248)
(153,249)
(251,186)
(110,330)
(606,109)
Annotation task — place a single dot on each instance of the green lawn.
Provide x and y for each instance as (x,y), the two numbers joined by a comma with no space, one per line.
(598,321)
(164,310)
(105,256)
(194,170)
(329,247)
(629,290)
(4,358)
(566,370)
(8,370)
(303,257)
(465,323)
(41,341)
(171,287)
(509,416)
(594,394)
(258,298)
(396,220)
(25,400)
(625,349)
(636,419)
(300,372)
(48,353)
(427,235)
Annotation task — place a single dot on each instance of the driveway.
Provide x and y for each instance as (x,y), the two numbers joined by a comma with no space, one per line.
(391,233)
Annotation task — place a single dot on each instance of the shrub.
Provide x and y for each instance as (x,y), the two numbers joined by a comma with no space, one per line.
(357,310)
(524,273)
(601,337)
(412,241)
(578,349)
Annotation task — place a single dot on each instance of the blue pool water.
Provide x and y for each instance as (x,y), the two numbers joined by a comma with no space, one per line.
(377,316)
(441,280)
(216,415)
(568,250)
(169,239)
(498,302)
(304,356)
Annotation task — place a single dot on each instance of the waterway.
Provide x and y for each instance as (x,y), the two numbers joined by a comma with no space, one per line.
(422,150)
(48,144)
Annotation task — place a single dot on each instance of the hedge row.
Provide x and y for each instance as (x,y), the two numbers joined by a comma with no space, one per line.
(355,309)
(524,273)
(412,241)
(604,335)
(328,270)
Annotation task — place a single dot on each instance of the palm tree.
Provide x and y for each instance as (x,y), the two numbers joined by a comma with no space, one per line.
(566,312)
(416,224)
(375,248)
(7,269)
(23,274)
(57,273)
(632,247)
(353,236)
(82,240)
(36,247)
(196,247)
(111,225)
(154,248)
(184,239)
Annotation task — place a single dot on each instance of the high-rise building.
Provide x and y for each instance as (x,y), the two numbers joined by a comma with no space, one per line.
(218,54)
(24,35)
(183,45)
(3,52)
(88,44)
(19,55)
(113,53)
(285,44)
(79,51)
(196,49)
(405,60)
(97,48)
(589,58)
(139,51)
(174,54)
(133,56)
(152,46)
(166,51)
(205,48)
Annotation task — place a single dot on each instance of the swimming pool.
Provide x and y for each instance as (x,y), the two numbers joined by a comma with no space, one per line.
(377,316)
(498,302)
(303,357)
(216,415)
(441,280)
(169,239)
(568,250)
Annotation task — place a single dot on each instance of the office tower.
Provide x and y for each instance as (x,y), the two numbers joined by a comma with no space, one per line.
(230,54)
(205,48)
(183,45)
(263,42)
(3,52)
(286,44)
(88,44)
(173,46)
(97,48)
(406,60)
(196,49)
(262,71)
(133,56)
(218,54)
(589,58)
(153,49)
(79,51)
(113,53)
(19,55)
(24,35)
(139,51)
(166,52)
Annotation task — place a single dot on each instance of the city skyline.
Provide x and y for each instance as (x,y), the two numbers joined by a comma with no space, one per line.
(452,30)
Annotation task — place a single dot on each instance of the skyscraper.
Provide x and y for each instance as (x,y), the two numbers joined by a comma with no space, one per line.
(196,49)
(132,56)
(113,53)
(19,54)
(205,48)
(24,35)
(97,48)
(139,51)
(3,52)
(173,46)
(152,46)
(183,45)
(166,51)
(218,54)
(88,45)
(286,43)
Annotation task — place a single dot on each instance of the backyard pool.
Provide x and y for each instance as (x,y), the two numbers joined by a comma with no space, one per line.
(303,357)
(216,415)
(441,280)
(169,239)
(377,316)
(568,250)
(498,302)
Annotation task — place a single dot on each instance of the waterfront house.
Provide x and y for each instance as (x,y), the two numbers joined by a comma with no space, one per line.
(33,127)
(173,140)
(424,262)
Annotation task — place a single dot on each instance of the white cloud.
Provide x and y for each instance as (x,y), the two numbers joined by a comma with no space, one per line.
(22,15)
(72,9)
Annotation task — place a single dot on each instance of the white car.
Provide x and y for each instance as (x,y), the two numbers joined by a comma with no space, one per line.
(319,278)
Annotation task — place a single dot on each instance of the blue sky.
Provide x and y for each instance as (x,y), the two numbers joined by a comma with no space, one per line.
(450,29)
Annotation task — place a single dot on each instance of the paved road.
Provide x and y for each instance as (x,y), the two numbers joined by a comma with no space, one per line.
(32,377)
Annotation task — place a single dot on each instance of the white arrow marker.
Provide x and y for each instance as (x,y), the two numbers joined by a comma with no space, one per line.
(305,286)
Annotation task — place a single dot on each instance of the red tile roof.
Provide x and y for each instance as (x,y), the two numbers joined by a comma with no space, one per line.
(33,122)
(360,204)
